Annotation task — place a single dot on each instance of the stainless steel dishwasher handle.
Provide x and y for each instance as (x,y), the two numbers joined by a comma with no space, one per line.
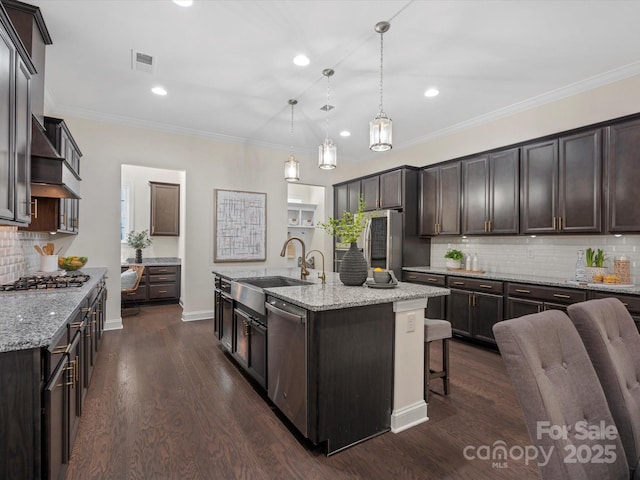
(284,314)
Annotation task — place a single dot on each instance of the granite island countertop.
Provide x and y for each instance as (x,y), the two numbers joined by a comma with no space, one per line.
(532,279)
(151,261)
(333,295)
(32,318)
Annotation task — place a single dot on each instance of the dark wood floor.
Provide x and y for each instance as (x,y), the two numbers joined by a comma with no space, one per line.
(166,403)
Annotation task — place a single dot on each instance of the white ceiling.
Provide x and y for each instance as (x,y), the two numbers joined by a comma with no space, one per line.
(227,65)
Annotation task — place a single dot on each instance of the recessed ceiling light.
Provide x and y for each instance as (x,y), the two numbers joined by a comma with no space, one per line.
(301,60)
(345,133)
(183,3)
(432,92)
(159,91)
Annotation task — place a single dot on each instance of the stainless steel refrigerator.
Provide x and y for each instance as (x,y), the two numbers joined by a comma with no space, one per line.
(382,240)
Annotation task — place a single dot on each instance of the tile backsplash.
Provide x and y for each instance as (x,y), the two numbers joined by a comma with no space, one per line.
(548,256)
(17,255)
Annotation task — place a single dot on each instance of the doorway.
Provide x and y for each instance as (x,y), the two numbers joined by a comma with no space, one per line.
(305,208)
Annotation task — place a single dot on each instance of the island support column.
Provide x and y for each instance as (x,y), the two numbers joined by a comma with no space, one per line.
(409,407)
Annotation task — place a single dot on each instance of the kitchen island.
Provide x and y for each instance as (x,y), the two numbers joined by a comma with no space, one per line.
(361,360)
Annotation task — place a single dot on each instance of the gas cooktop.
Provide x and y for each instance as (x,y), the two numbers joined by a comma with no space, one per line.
(46,282)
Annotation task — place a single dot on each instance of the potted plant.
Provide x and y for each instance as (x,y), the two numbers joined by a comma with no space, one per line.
(138,241)
(347,231)
(453,258)
(595,264)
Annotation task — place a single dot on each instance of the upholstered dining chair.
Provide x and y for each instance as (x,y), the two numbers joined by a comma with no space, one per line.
(613,344)
(129,287)
(561,397)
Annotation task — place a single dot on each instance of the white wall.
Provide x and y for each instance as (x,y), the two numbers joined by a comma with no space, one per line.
(208,165)
(138,179)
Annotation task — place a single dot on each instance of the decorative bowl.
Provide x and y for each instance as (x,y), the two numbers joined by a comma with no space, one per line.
(72,263)
(381,276)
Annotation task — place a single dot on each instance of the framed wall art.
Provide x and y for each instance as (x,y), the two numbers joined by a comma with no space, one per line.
(240,226)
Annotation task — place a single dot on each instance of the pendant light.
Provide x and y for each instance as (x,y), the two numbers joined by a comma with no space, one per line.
(292,166)
(327,152)
(380,126)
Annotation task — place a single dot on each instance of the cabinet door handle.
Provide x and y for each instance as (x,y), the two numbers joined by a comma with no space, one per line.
(411,277)
(431,279)
(560,227)
(35,208)
(539,308)
(555,223)
(490,226)
(458,283)
(522,290)
(561,295)
(162,291)
(482,285)
(162,278)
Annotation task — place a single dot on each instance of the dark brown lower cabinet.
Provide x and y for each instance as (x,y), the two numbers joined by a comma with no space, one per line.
(159,284)
(525,299)
(474,306)
(226,324)
(436,306)
(56,422)
(42,392)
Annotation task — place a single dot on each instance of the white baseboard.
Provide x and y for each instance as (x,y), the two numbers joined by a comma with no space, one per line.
(113,324)
(192,316)
(409,416)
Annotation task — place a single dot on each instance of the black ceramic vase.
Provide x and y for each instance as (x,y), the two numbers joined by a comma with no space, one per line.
(138,255)
(353,268)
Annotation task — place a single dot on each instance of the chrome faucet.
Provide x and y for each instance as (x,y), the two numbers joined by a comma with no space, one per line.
(320,275)
(304,273)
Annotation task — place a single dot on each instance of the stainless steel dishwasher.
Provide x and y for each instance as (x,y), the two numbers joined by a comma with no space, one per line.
(287,360)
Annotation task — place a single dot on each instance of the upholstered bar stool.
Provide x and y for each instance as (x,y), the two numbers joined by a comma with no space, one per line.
(436,330)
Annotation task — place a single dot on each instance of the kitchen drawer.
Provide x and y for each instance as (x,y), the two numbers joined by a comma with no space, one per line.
(632,302)
(163,291)
(162,278)
(162,270)
(554,294)
(140,293)
(419,277)
(477,284)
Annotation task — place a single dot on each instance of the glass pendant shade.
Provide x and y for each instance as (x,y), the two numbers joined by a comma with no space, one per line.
(380,133)
(292,169)
(327,155)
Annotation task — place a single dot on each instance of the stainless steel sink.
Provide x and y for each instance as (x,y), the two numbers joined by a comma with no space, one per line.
(249,292)
(270,282)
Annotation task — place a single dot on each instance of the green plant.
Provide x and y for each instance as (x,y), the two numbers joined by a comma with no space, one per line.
(595,258)
(347,229)
(454,254)
(138,240)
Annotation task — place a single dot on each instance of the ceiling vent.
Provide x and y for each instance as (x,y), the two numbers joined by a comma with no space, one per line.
(142,62)
(326,108)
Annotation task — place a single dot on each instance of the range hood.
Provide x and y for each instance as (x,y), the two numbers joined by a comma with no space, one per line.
(51,175)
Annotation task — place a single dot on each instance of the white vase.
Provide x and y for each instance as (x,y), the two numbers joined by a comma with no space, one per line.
(451,263)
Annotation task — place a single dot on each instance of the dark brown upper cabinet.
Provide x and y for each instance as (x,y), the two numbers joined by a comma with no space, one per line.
(346,198)
(383,191)
(440,200)
(165,209)
(490,193)
(16,72)
(561,183)
(623,177)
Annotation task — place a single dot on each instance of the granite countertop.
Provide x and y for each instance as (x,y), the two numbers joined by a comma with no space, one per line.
(533,279)
(333,295)
(164,261)
(32,318)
